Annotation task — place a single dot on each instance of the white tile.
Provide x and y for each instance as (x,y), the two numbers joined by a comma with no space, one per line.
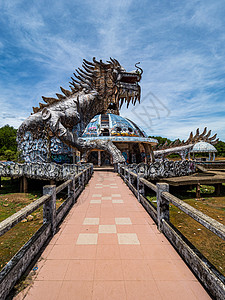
(87,239)
(106,198)
(98,184)
(96,201)
(117,201)
(91,221)
(113,187)
(107,229)
(123,221)
(116,195)
(128,239)
(96,195)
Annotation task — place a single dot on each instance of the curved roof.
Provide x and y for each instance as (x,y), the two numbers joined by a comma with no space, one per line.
(203,147)
(115,128)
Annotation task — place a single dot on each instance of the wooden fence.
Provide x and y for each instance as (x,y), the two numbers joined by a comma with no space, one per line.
(16,267)
(208,275)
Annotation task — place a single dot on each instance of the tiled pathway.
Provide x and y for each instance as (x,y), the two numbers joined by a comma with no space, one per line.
(109,248)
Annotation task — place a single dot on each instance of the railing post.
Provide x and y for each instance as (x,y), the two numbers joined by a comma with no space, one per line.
(140,187)
(80,180)
(71,188)
(129,178)
(162,204)
(49,208)
(86,173)
(83,178)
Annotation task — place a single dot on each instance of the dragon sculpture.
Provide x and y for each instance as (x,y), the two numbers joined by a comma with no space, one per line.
(96,88)
(183,147)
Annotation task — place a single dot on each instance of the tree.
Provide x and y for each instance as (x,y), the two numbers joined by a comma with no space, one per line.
(8,138)
(161,140)
(8,145)
(220,147)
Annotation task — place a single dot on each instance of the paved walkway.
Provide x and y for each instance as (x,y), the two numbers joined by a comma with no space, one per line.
(109,248)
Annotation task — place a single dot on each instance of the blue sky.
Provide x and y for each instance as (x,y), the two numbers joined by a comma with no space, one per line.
(180,45)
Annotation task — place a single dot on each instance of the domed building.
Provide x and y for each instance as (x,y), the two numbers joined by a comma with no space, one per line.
(203,147)
(131,140)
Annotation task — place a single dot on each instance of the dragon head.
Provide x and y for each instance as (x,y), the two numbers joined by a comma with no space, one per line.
(112,83)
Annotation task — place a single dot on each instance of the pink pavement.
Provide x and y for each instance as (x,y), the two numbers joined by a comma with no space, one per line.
(109,248)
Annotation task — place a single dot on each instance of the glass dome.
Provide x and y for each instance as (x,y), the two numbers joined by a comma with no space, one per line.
(115,128)
(112,125)
(203,147)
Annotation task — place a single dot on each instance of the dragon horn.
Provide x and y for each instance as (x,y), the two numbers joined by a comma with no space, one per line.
(139,67)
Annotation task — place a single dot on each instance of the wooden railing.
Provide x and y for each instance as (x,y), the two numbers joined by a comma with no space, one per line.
(209,276)
(15,268)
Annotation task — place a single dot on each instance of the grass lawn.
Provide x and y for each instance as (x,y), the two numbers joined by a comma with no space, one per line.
(211,246)
(12,201)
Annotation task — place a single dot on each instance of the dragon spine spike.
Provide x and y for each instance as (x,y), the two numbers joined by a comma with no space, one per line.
(35,109)
(99,62)
(42,105)
(84,76)
(49,100)
(76,81)
(190,138)
(89,63)
(114,61)
(213,137)
(78,77)
(88,69)
(60,96)
(195,138)
(65,92)
(208,135)
(118,64)
(86,73)
(215,142)
(204,132)
(165,144)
